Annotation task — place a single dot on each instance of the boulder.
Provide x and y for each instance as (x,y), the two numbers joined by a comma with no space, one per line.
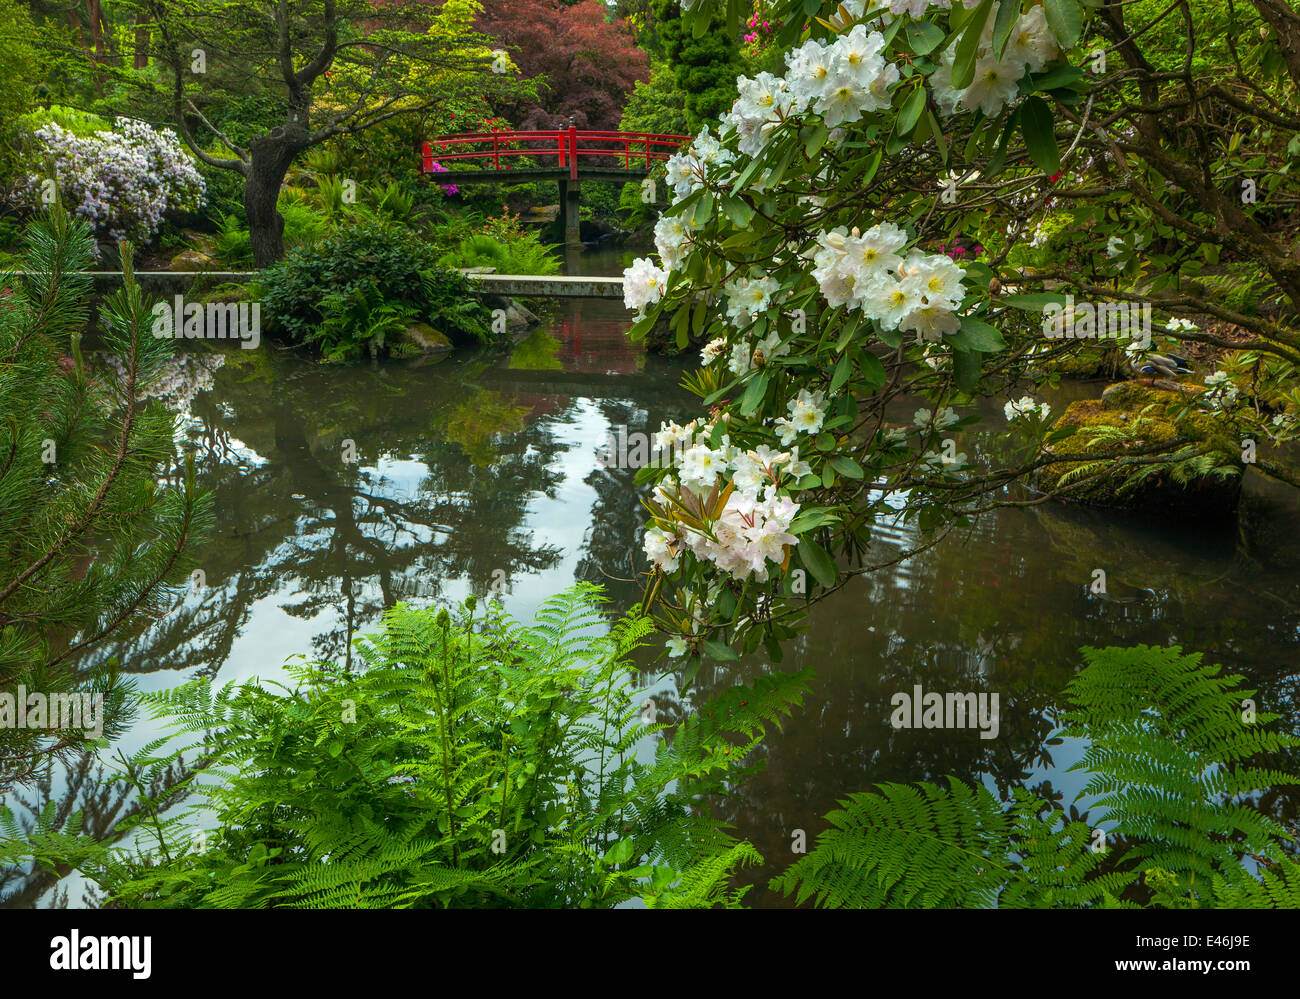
(591,230)
(520,317)
(1154,414)
(421,338)
(191,260)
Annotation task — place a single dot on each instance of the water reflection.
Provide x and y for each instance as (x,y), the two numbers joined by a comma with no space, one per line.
(479,474)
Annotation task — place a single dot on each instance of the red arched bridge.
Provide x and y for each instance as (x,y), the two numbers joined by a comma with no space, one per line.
(565,155)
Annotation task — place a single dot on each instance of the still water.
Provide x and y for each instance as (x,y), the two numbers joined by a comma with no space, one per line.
(473,471)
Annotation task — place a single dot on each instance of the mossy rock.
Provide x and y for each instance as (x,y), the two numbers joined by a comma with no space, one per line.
(191,260)
(420,339)
(1090,361)
(1155,414)
(229,291)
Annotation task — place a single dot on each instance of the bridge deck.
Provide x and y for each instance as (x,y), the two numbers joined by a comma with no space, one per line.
(522,285)
(523,175)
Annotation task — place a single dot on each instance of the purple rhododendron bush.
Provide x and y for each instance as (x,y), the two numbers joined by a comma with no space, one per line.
(122,181)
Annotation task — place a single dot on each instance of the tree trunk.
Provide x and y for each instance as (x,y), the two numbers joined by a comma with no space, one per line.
(1285,22)
(141,40)
(272,156)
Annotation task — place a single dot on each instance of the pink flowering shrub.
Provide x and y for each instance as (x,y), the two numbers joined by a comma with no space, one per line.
(122,181)
(447,189)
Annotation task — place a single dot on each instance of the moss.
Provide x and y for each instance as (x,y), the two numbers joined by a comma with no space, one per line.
(1151,415)
(229,291)
(1089,361)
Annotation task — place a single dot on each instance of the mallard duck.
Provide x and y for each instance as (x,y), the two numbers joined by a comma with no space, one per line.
(1161,366)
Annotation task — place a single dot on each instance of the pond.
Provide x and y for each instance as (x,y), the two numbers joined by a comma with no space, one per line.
(481,474)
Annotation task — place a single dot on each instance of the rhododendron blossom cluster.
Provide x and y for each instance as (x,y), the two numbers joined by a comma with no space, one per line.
(1031,47)
(751,531)
(773,255)
(124,181)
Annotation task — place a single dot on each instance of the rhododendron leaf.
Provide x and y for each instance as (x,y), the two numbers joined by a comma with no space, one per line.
(963,67)
(720,651)
(871,369)
(1065,18)
(773,646)
(896,142)
(924,37)
(846,332)
(1061,76)
(1039,130)
(846,466)
(910,113)
(841,373)
(981,336)
(703,210)
(738,211)
(817,562)
(754,393)
(981,272)
(814,141)
(1008,14)
(775,179)
(966,369)
(940,142)
(812,517)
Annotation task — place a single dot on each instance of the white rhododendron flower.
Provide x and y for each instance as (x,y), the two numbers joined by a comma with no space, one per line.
(713,350)
(744,530)
(748,296)
(671,235)
(658,548)
(1222,393)
(945,418)
(643,284)
(1032,43)
(1026,408)
(807,411)
(700,466)
(1031,46)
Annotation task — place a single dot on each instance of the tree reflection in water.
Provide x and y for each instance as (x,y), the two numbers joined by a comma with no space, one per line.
(481,470)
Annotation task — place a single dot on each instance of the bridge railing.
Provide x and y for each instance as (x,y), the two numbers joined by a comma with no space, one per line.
(628,149)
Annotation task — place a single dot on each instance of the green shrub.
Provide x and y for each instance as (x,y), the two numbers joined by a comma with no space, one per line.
(357,319)
(467,764)
(367,257)
(524,254)
(234,247)
(79,123)
(225,195)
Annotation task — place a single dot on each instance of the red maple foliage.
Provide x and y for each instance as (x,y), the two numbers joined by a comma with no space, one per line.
(591,64)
